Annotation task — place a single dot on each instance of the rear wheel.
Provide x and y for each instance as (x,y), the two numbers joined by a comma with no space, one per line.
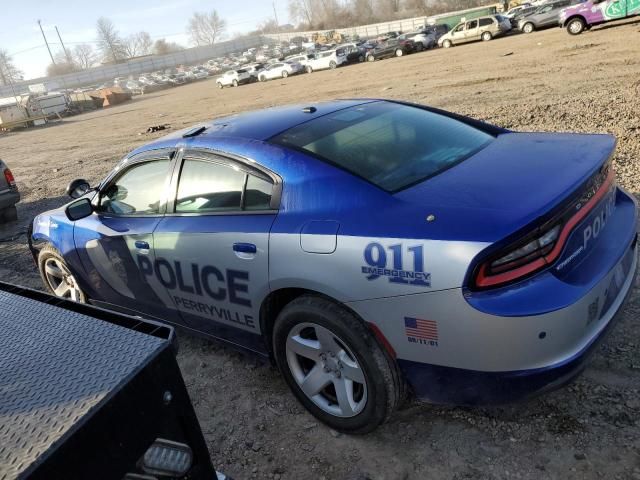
(285,74)
(419,47)
(399,52)
(332,65)
(220,86)
(576,26)
(447,44)
(57,277)
(361,58)
(9,214)
(335,366)
(486,36)
(528,27)
(309,69)
(235,83)
(371,58)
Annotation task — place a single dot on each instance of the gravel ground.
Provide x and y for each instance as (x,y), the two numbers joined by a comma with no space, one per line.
(255,428)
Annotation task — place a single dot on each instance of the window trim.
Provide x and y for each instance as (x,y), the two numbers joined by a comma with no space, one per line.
(127,164)
(227,160)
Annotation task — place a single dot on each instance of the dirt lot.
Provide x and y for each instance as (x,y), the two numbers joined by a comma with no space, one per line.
(255,428)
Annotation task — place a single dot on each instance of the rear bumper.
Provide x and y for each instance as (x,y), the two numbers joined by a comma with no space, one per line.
(9,198)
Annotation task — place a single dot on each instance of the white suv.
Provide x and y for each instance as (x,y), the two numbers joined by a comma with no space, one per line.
(233,78)
(326,60)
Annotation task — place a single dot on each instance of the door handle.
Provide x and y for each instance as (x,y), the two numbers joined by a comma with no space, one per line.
(244,248)
(142,245)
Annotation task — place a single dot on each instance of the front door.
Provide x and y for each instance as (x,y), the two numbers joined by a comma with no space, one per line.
(111,241)
(212,247)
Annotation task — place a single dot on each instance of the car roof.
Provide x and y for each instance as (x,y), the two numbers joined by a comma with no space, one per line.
(257,125)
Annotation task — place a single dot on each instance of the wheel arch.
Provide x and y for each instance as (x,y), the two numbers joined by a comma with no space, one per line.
(573,17)
(276,300)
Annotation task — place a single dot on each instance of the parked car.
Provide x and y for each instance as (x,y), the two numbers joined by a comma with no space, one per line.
(301,59)
(233,78)
(390,48)
(325,60)
(354,53)
(9,195)
(279,70)
(582,16)
(546,15)
(254,69)
(176,79)
(356,243)
(422,40)
(436,30)
(521,14)
(481,28)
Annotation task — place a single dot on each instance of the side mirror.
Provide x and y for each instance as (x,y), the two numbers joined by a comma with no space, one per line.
(79,209)
(78,188)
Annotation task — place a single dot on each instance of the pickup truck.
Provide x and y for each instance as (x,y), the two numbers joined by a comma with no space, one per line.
(578,18)
(90,393)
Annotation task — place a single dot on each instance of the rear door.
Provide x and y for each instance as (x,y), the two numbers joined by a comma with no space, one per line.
(213,244)
(115,243)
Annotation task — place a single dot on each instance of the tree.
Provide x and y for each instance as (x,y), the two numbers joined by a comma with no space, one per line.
(109,42)
(9,73)
(206,28)
(162,47)
(137,45)
(61,67)
(84,56)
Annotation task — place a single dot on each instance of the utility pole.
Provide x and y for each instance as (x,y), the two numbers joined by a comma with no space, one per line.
(66,53)
(275,13)
(45,42)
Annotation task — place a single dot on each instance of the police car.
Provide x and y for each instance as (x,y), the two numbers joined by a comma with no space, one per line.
(367,246)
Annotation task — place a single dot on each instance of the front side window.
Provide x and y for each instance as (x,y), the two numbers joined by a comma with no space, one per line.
(388,144)
(472,24)
(137,191)
(208,187)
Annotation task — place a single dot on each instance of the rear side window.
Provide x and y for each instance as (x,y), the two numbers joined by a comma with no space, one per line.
(485,22)
(209,187)
(390,145)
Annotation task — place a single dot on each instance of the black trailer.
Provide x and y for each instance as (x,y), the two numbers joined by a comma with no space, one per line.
(87,393)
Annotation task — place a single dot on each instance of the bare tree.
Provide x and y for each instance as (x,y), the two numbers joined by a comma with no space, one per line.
(206,28)
(9,73)
(84,56)
(137,44)
(162,47)
(109,42)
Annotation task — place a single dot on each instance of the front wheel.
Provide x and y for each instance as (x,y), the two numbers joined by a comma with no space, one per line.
(335,366)
(399,52)
(447,44)
(528,28)
(332,65)
(486,36)
(309,69)
(57,277)
(371,58)
(576,26)
(220,86)
(419,47)
(285,74)
(235,83)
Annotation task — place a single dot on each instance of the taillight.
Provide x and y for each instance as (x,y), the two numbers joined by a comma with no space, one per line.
(540,248)
(9,177)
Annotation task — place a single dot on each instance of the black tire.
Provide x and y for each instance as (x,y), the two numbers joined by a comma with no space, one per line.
(419,47)
(486,36)
(528,27)
(9,214)
(235,83)
(371,58)
(576,26)
(399,52)
(332,65)
(285,74)
(309,69)
(361,59)
(50,252)
(220,86)
(384,388)
(447,43)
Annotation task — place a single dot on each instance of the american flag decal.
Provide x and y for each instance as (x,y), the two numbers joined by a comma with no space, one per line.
(423,329)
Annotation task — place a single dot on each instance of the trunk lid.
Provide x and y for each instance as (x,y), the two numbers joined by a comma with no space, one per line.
(517,179)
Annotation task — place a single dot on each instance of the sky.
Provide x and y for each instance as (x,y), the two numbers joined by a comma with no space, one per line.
(21,37)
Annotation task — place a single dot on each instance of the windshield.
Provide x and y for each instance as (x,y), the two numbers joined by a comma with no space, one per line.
(390,145)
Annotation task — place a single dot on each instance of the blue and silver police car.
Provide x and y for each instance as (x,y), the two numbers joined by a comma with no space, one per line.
(366,246)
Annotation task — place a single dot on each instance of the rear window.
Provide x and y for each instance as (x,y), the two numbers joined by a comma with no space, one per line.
(390,145)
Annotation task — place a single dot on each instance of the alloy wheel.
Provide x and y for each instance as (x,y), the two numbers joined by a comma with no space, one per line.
(61,281)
